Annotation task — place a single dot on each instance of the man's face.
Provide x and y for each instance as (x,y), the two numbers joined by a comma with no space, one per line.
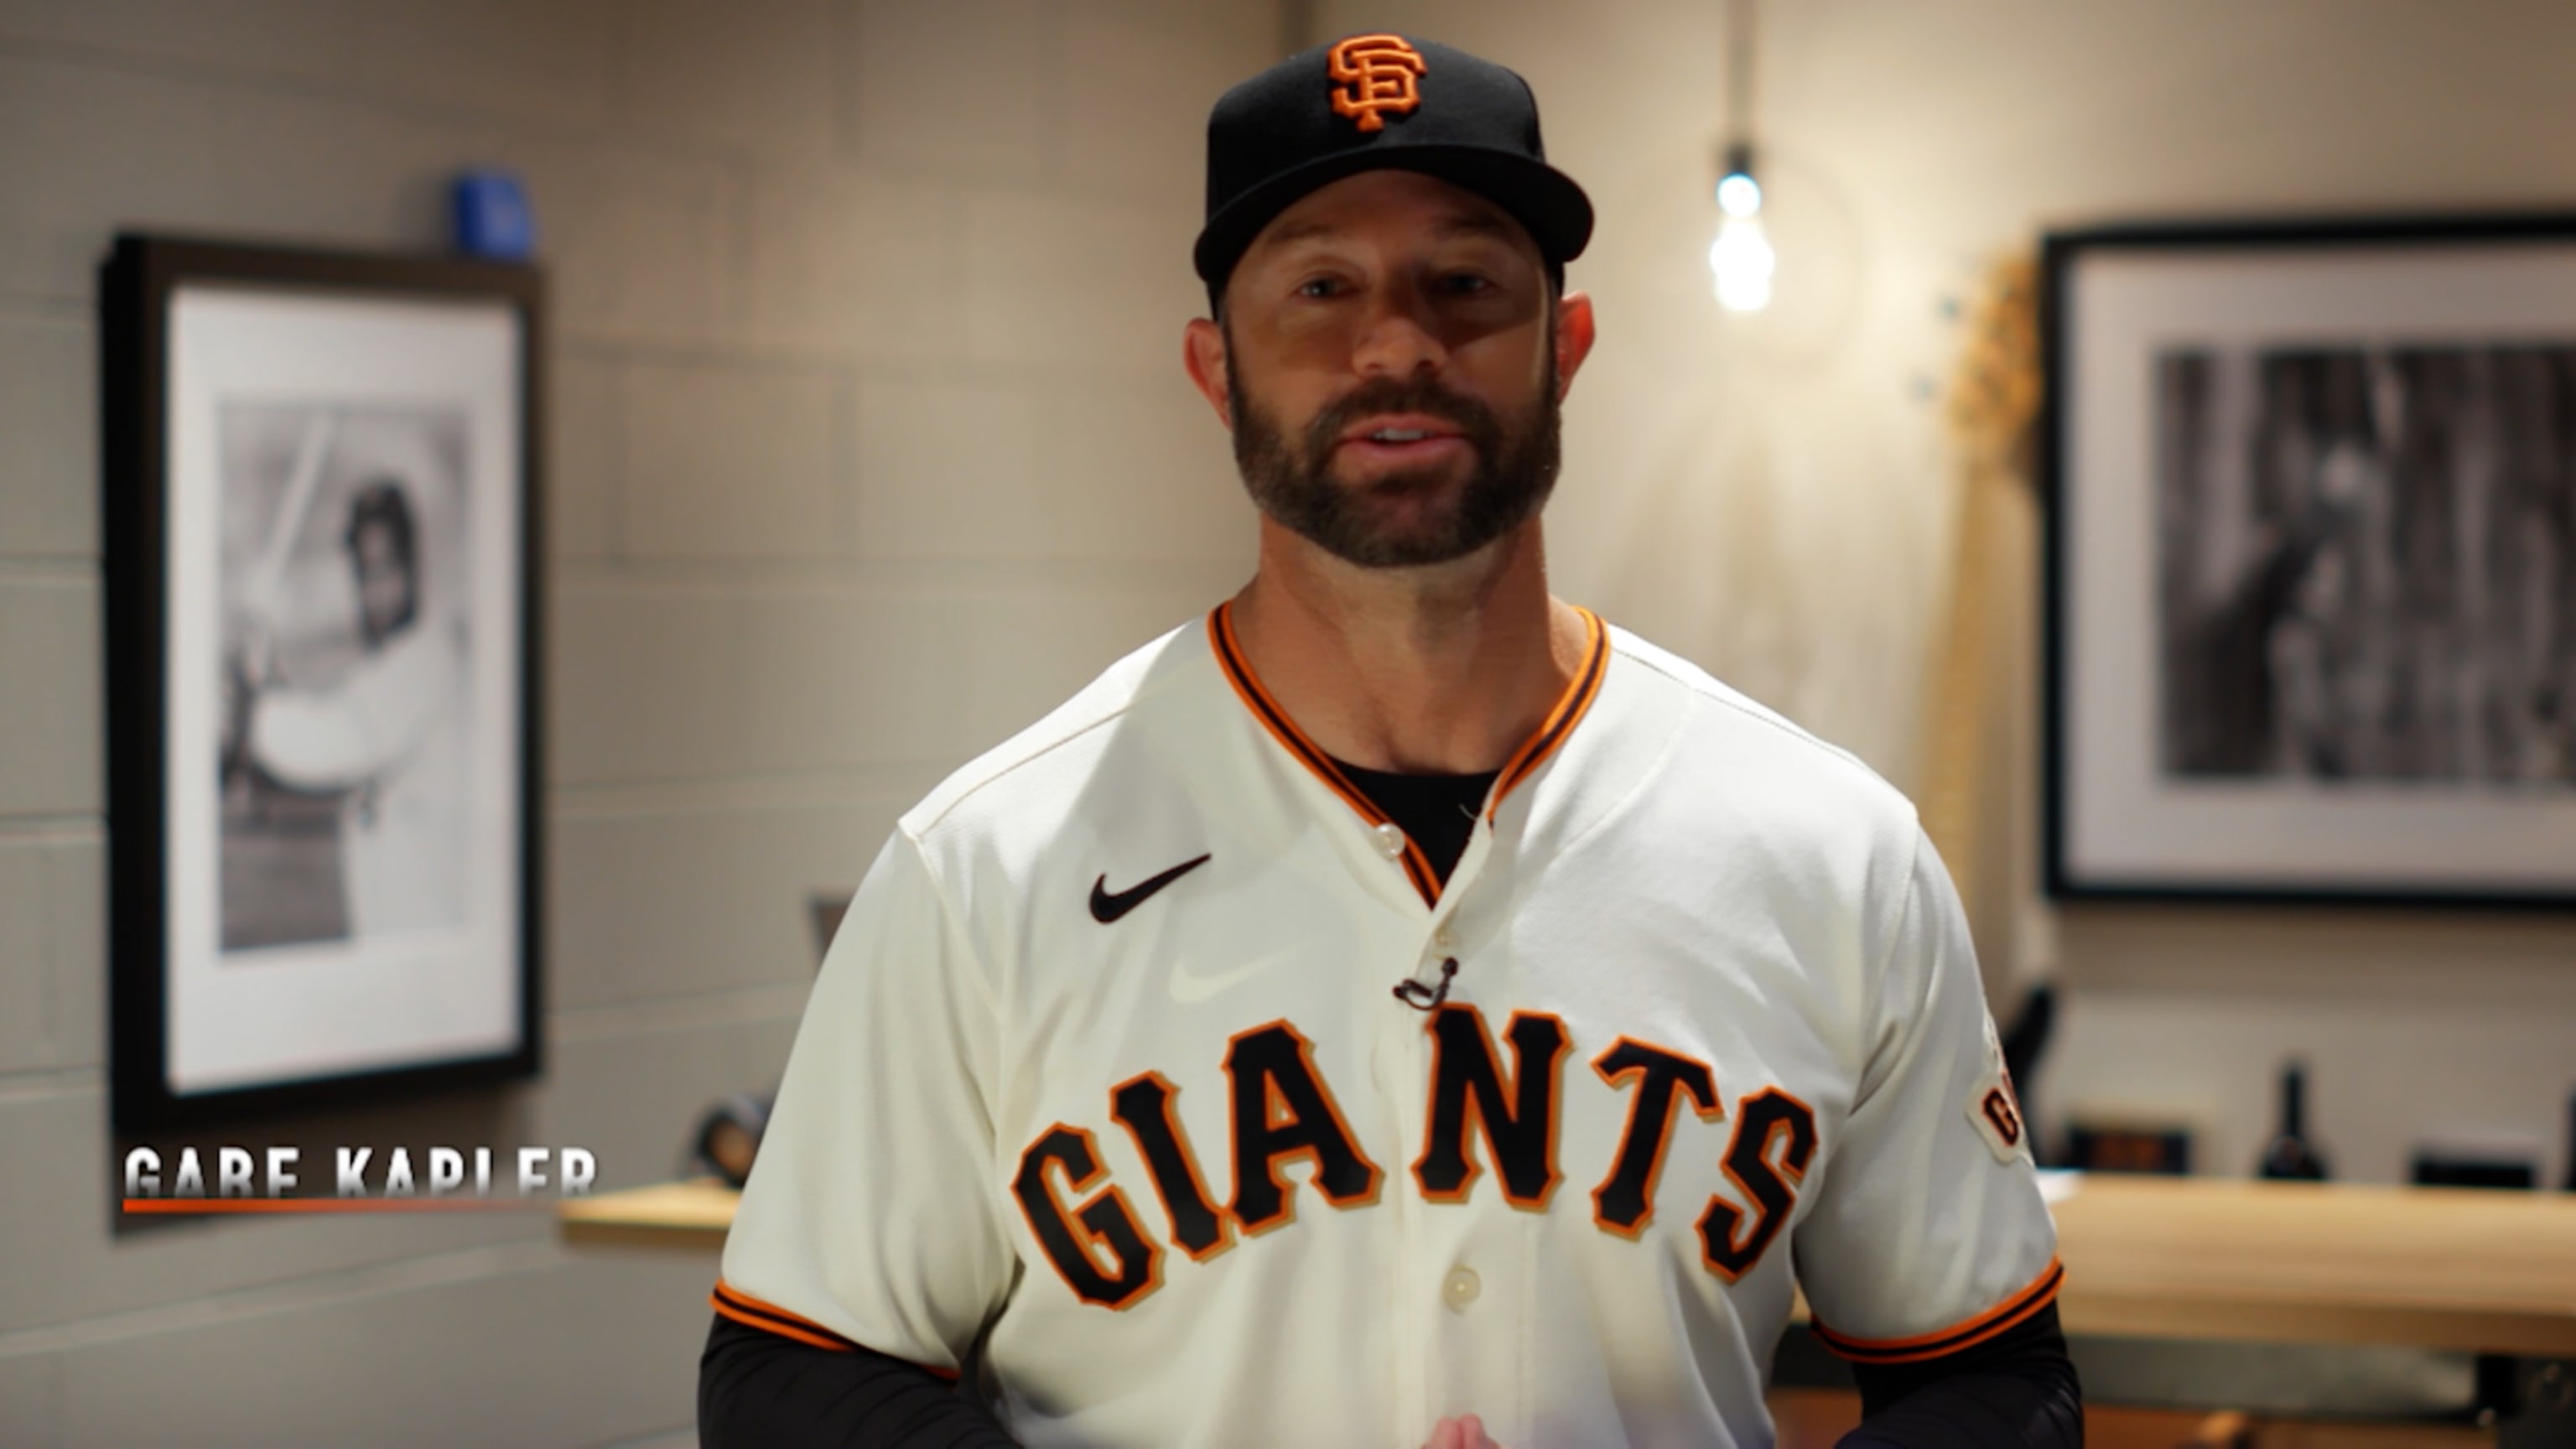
(1392,362)
(384,581)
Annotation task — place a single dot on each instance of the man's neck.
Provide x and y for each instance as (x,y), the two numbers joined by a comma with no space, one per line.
(1445,669)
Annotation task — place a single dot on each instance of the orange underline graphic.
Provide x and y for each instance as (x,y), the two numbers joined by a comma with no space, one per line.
(185,1206)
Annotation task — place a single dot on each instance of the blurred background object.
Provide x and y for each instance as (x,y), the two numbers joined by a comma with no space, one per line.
(493,217)
(2290,1156)
(2111,1141)
(1740,260)
(2457,1163)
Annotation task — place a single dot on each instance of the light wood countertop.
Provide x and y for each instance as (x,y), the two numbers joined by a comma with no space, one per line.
(2146,1257)
(2450,1268)
(692,1214)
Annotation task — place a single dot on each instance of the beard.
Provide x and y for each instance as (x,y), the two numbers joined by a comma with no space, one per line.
(1512,469)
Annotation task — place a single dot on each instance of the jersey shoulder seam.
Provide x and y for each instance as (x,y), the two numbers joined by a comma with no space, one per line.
(1876,984)
(949,918)
(1709,688)
(1003,760)
(957,793)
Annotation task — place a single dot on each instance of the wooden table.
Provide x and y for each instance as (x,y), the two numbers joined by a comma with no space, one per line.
(666,1215)
(2445,1268)
(2146,1257)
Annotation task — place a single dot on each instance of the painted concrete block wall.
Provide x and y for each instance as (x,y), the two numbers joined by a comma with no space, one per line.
(1767,494)
(869,442)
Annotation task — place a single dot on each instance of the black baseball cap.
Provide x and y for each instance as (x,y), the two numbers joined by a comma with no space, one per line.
(1368,102)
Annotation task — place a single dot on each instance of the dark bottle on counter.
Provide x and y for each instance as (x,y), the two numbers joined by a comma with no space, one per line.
(2291,1155)
(2571,1143)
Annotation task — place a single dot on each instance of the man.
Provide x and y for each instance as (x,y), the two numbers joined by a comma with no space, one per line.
(386,735)
(1400,1009)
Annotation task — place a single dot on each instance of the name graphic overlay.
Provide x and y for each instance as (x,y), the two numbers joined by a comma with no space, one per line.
(360,1179)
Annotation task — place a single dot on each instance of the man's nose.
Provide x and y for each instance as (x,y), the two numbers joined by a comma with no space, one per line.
(1398,340)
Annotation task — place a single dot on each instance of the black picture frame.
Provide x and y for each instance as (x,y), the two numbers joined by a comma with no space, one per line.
(2150,791)
(186,1042)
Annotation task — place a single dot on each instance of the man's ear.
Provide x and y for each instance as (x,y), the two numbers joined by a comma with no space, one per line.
(1573,338)
(1203,354)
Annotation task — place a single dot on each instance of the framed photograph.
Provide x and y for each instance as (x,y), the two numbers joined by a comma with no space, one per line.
(322,676)
(2311,561)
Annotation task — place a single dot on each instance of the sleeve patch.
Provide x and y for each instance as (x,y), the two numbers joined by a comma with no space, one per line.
(1994,1109)
(1996,1114)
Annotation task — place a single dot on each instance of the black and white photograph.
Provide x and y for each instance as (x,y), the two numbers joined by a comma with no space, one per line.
(2366,563)
(346,677)
(321,642)
(2312,562)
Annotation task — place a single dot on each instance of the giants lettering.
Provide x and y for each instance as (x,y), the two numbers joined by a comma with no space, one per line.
(1106,1221)
(1467,1087)
(1769,1118)
(1624,1203)
(1280,1110)
(1283,1111)
(1143,1105)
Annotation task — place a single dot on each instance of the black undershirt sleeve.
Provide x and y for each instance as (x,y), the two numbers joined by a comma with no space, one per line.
(2016,1390)
(758,1390)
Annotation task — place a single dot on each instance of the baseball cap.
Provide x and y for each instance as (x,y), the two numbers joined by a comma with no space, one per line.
(1374,101)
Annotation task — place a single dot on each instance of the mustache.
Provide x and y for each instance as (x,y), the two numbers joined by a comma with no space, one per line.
(1392,395)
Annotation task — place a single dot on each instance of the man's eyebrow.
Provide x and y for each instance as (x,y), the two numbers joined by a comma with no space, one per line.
(1475,223)
(1455,224)
(1296,231)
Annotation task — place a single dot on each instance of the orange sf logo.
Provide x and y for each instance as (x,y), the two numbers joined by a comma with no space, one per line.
(1376,75)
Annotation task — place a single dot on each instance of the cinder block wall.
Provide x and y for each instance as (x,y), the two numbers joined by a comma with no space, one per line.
(869,442)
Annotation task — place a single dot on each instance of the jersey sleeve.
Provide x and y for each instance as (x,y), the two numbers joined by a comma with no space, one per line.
(870,1214)
(1928,1234)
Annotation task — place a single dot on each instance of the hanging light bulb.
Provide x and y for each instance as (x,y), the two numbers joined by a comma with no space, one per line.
(1741,260)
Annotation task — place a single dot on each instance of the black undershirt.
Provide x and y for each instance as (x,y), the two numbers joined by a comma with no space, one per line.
(759,1390)
(1436,812)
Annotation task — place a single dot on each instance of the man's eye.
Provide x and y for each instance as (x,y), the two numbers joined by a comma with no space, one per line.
(1320,287)
(1466,284)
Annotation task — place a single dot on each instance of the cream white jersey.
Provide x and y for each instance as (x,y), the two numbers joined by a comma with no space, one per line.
(1107,1083)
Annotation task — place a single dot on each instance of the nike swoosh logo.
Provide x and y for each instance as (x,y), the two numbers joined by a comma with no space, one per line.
(1108,905)
(1189,989)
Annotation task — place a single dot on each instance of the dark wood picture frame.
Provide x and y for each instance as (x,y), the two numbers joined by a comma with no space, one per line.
(138,283)
(2533,247)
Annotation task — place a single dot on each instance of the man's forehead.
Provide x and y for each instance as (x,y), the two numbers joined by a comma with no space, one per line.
(1352,204)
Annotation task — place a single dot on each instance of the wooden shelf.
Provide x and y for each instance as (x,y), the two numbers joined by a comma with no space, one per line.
(2146,1257)
(691,1214)
(2445,1268)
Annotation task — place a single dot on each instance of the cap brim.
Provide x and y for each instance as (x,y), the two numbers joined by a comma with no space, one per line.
(1544,200)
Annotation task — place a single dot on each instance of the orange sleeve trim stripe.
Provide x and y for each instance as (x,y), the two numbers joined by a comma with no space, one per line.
(767,1325)
(751,1312)
(2014,1311)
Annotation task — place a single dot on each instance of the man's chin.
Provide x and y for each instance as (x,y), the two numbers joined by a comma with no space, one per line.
(1385,541)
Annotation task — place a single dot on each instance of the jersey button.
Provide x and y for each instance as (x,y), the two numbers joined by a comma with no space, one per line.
(1460,1289)
(1444,938)
(1390,841)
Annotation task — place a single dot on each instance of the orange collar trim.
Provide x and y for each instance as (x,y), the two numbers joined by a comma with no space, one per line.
(1567,712)
(1570,708)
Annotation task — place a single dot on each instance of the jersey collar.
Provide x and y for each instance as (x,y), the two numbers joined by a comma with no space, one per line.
(1551,733)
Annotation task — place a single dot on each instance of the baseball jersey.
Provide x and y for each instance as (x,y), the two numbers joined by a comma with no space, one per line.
(1107,1086)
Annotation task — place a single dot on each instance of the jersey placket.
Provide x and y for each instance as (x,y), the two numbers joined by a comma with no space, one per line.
(1436,1284)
